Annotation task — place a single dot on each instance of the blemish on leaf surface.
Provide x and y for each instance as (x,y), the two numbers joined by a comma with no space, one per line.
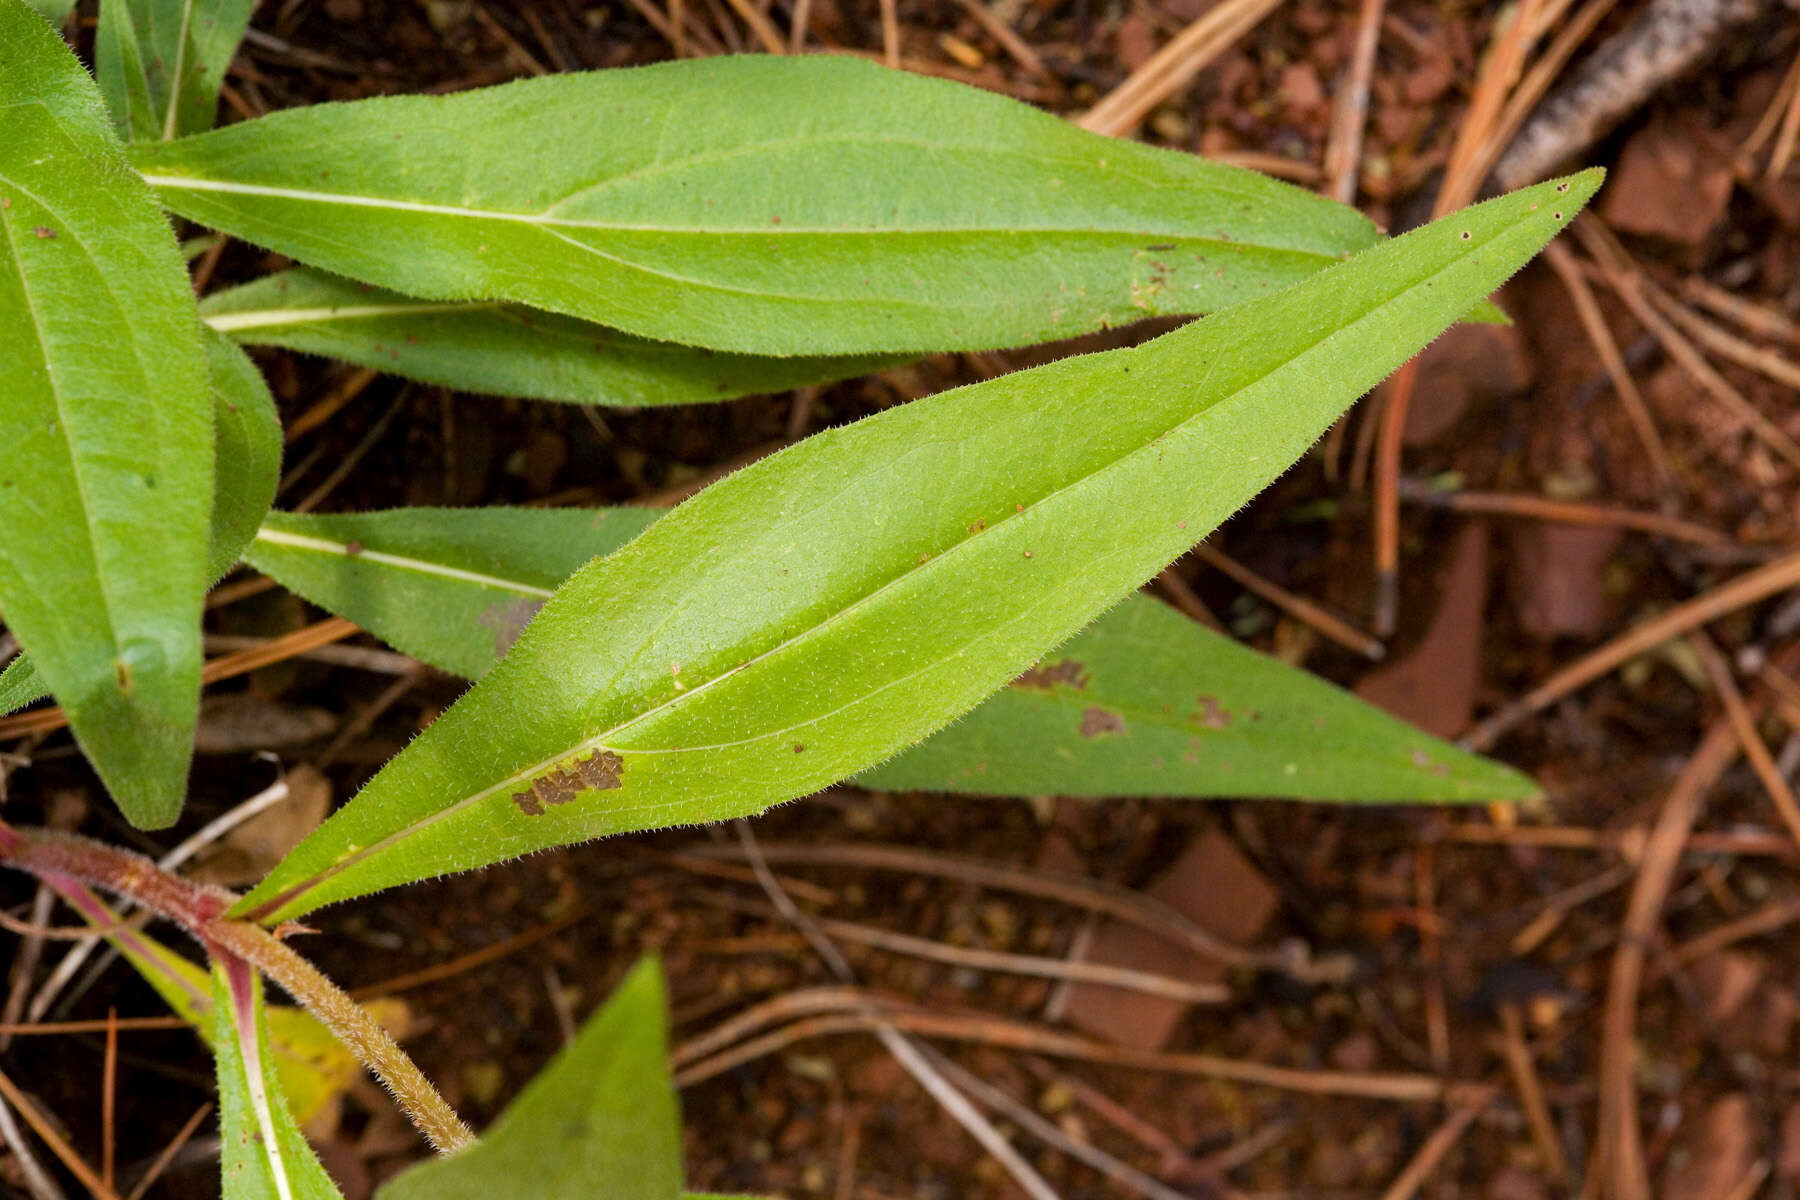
(1096,721)
(1045,676)
(507,619)
(1211,715)
(599,771)
(1423,760)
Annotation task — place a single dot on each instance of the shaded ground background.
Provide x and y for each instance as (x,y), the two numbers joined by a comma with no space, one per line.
(1478,944)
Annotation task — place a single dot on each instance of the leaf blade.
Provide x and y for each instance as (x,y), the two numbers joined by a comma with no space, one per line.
(247,446)
(247,456)
(1142,703)
(503,349)
(913,214)
(600,1120)
(454,592)
(1148,703)
(160,62)
(813,614)
(103,531)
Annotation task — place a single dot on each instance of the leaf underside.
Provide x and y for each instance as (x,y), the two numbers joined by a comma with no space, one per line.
(821,610)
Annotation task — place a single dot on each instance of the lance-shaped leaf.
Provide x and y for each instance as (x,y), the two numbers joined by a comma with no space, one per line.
(1142,703)
(105,429)
(160,62)
(505,349)
(451,587)
(247,456)
(600,1120)
(263,1155)
(815,613)
(813,205)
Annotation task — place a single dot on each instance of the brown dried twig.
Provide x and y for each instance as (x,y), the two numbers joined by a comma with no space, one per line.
(1567,512)
(1172,67)
(1743,590)
(1462,180)
(1350,107)
(1666,41)
(1618,1150)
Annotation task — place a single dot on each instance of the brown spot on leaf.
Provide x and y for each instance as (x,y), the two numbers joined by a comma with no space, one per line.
(1096,721)
(353,548)
(43,231)
(1045,677)
(508,619)
(1211,715)
(799,747)
(599,771)
(1423,761)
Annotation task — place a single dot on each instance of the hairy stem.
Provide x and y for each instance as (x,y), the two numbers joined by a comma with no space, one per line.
(52,854)
(352,1025)
(64,859)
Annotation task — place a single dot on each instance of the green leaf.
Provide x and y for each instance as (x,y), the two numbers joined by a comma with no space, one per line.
(160,62)
(504,349)
(1143,703)
(247,455)
(246,450)
(813,205)
(105,433)
(820,610)
(600,1120)
(20,684)
(1148,703)
(53,11)
(263,1155)
(451,587)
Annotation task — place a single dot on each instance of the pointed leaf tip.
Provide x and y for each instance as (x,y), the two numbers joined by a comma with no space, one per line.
(600,1120)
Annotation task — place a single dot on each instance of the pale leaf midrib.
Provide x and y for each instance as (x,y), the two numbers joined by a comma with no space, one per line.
(195,183)
(256,1086)
(177,75)
(298,541)
(260,318)
(599,740)
(1228,183)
